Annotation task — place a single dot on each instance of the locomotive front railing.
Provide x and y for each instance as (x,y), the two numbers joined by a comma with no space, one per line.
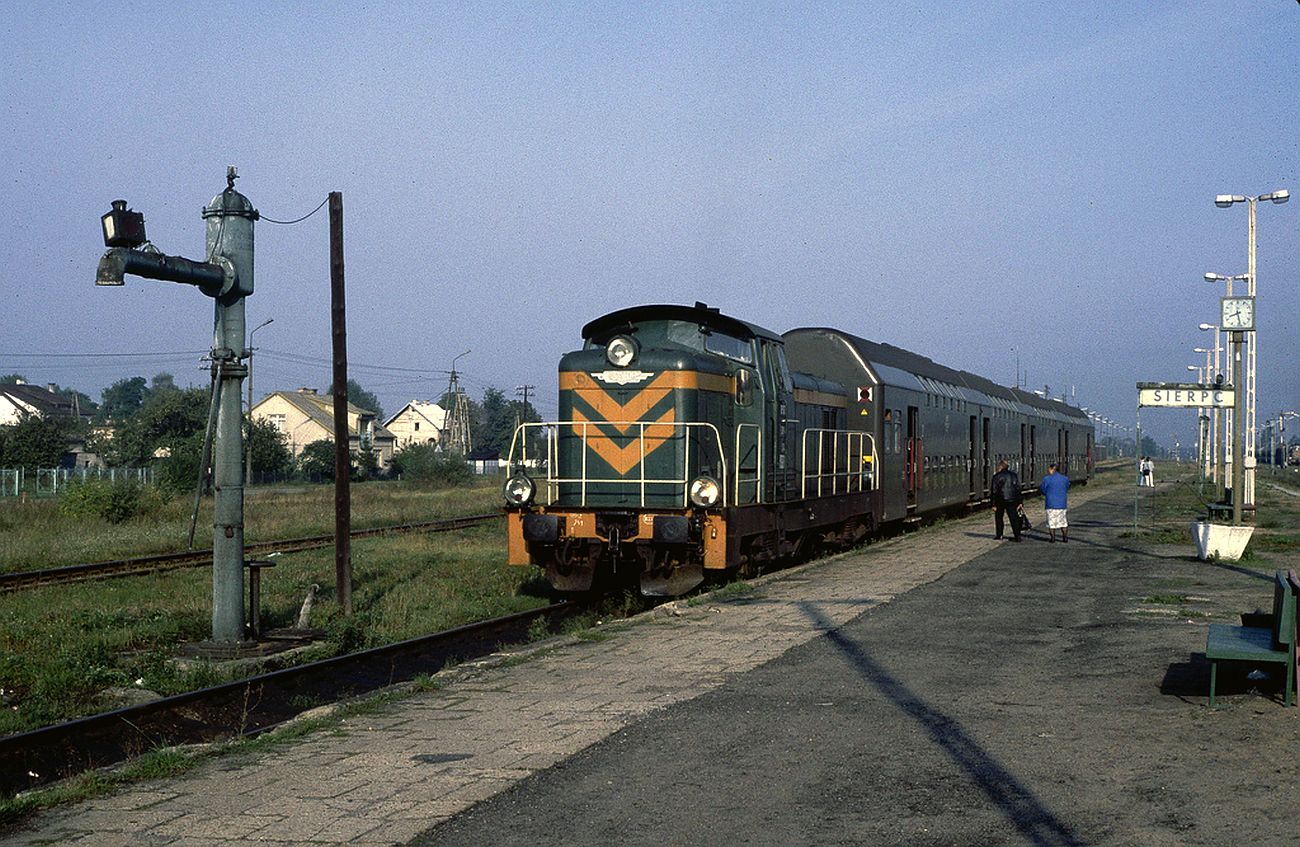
(837,461)
(588,431)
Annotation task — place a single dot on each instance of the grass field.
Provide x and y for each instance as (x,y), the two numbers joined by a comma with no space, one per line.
(72,650)
(1180,499)
(37,534)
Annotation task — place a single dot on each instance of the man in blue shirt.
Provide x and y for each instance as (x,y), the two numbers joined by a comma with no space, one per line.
(1055,487)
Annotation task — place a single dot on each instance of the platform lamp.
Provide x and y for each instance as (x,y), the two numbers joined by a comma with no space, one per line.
(1224,201)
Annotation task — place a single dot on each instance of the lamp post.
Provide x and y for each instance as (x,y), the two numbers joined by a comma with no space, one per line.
(1221,421)
(1200,423)
(248,471)
(1224,201)
(1207,455)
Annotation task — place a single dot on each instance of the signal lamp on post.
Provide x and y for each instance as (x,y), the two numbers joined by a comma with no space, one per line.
(123,227)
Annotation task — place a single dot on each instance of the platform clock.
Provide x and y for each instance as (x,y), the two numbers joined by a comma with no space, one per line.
(1238,314)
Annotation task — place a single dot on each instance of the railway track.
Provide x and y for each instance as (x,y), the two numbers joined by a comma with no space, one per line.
(198,558)
(250,706)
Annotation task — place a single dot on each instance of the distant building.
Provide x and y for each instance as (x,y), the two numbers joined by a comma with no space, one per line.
(418,422)
(305,416)
(17,400)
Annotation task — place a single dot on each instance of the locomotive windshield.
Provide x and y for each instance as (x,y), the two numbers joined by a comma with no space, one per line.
(684,335)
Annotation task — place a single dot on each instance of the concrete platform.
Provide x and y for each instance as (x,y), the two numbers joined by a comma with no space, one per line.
(938,688)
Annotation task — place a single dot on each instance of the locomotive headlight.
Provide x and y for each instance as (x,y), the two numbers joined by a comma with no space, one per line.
(519,490)
(621,351)
(705,492)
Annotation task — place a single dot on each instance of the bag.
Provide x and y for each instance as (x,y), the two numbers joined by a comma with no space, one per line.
(1025,525)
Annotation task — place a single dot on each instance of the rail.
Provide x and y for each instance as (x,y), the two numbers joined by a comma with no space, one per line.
(648,437)
(844,462)
(17,580)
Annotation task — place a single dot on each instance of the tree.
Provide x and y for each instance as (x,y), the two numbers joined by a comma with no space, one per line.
(12,379)
(361,398)
(34,442)
(497,423)
(365,465)
(166,420)
(423,463)
(269,446)
(123,398)
(163,382)
(494,428)
(317,460)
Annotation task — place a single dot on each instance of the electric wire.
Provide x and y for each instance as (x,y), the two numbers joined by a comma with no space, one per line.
(297,220)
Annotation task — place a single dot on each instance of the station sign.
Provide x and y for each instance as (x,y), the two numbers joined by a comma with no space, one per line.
(1185,395)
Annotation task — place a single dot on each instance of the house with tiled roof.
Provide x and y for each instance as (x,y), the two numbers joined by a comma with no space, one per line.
(18,400)
(418,422)
(305,416)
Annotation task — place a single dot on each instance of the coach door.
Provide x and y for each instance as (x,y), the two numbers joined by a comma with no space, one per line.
(914,456)
(1026,468)
(1033,452)
(986,476)
(973,460)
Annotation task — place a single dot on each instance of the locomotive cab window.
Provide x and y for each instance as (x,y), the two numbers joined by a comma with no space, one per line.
(728,346)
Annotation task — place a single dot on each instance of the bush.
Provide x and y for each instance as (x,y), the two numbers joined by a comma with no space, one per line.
(114,502)
(424,464)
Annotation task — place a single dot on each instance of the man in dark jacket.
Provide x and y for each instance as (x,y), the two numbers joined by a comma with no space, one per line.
(1004,490)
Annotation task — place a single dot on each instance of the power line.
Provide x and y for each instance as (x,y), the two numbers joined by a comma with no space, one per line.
(170,353)
(296,220)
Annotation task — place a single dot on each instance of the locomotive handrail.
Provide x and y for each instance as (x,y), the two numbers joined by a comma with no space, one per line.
(582,428)
(853,473)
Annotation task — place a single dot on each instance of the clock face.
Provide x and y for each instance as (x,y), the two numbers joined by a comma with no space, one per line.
(1238,313)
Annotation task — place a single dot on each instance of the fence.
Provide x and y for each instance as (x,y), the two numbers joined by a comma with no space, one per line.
(48,481)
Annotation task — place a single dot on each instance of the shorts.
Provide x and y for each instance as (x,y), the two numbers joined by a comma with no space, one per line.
(1056,519)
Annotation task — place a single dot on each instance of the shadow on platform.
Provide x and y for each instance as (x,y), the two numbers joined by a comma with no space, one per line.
(1013,799)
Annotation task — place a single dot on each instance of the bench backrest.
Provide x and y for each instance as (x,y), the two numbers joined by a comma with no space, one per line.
(1283,610)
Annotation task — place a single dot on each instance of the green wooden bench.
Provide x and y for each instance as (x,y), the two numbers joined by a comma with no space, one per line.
(1259,645)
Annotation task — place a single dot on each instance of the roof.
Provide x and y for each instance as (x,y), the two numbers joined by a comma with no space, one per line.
(427,410)
(905,369)
(38,400)
(319,408)
(699,313)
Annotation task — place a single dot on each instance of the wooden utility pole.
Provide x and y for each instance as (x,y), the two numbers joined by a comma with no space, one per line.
(342,453)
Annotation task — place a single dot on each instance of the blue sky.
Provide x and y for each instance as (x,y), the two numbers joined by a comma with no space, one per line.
(956,179)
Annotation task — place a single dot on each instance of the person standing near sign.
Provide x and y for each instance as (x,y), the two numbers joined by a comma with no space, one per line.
(1055,487)
(1004,491)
